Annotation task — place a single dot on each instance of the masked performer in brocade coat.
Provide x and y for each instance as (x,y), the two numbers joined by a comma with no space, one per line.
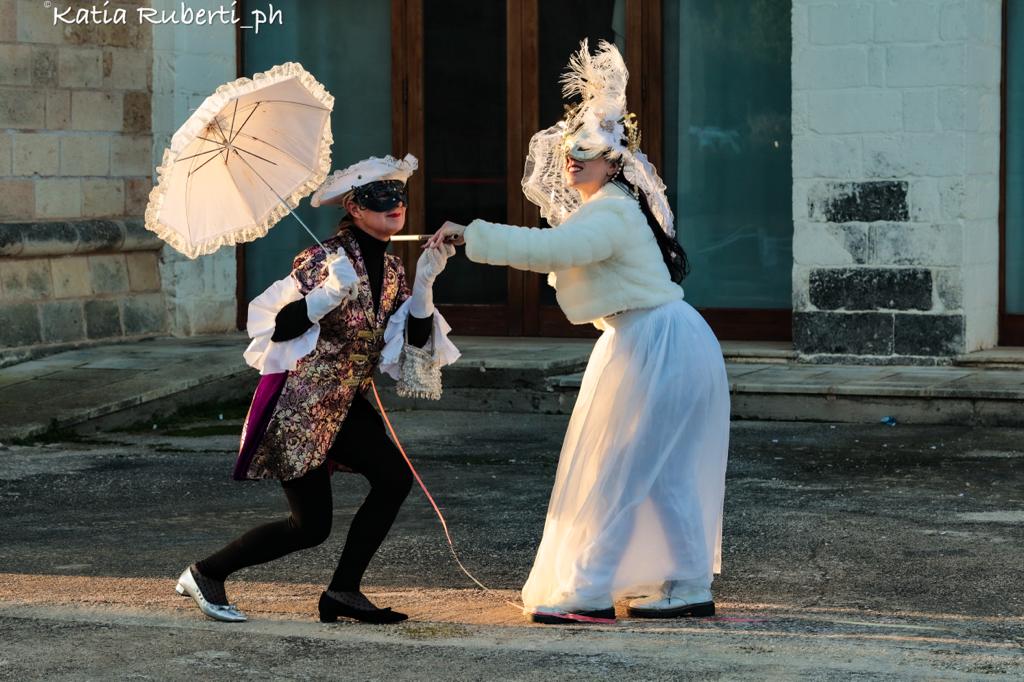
(317,337)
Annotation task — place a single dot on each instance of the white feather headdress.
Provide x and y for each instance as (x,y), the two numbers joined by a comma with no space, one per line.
(599,81)
(599,123)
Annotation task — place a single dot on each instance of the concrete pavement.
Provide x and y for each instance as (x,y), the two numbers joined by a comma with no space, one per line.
(133,644)
(850,551)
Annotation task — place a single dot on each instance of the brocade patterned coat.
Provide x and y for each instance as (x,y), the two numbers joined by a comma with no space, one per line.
(316,396)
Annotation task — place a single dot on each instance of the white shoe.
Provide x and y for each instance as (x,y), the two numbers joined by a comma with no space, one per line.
(675,601)
(228,613)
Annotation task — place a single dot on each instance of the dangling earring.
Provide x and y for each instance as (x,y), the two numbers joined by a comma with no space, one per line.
(635,189)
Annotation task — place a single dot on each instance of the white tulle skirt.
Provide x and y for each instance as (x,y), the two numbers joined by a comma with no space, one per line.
(637,499)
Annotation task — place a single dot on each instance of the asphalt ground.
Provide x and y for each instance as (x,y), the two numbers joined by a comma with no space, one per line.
(850,551)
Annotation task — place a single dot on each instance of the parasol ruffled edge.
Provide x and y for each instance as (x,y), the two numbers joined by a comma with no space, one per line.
(210,107)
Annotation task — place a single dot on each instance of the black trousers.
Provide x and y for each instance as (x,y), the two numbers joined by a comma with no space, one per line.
(363,446)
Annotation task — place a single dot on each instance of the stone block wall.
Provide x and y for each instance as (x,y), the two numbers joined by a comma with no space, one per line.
(75,173)
(75,133)
(895,189)
(85,113)
(64,284)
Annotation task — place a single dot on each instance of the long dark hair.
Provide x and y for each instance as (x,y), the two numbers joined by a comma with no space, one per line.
(671,251)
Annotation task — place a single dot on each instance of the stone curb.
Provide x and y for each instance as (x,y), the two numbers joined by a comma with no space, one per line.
(183,390)
(880,391)
(762,390)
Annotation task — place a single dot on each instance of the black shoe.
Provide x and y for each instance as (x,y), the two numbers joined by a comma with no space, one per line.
(553,617)
(355,606)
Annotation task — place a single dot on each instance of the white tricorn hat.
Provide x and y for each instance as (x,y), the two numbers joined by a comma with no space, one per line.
(368,170)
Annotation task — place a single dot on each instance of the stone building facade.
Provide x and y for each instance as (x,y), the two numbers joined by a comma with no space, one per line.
(895,178)
(84,110)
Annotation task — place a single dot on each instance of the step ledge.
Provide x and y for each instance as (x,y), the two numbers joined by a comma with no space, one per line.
(1004,357)
(878,392)
(76,417)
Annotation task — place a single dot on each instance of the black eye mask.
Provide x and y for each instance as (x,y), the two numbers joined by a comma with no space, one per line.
(381,195)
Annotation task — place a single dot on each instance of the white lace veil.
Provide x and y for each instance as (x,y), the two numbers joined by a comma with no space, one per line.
(599,121)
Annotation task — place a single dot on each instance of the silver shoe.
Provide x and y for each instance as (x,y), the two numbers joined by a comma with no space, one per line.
(227,613)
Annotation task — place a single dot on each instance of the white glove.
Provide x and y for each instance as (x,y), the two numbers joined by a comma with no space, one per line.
(428,267)
(339,286)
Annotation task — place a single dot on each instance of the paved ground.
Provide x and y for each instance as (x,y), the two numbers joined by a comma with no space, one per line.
(850,551)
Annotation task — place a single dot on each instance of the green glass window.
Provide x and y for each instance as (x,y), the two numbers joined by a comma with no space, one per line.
(347,47)
(727,148)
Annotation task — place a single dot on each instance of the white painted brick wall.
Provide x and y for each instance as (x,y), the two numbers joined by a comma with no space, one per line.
(907,21)
(858,110)
(820,156)
(904,90)
(189,62)
(833,67)
(914,66)
(840,23)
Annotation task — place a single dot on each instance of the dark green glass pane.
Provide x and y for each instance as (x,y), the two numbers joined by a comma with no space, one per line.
(727,148)
(465,112)
(346,45)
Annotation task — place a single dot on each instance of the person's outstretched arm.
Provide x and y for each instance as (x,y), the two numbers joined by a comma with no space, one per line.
(587,239)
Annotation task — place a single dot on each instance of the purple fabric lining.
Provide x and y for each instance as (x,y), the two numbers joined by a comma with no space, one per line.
(264,400)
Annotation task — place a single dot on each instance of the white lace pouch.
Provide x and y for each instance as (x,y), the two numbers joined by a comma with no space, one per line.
(420,375)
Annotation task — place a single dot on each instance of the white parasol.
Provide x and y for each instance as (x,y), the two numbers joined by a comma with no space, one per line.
(242,160)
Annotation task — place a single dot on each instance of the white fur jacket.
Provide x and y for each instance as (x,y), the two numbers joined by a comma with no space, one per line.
(603,259)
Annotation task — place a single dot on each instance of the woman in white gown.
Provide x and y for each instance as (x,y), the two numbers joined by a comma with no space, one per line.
(636,508)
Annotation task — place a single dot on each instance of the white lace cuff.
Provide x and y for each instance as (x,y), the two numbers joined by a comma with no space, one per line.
(272,357)
(442,350)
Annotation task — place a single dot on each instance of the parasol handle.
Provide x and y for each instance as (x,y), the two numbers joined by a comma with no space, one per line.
(281,199)
(296,216)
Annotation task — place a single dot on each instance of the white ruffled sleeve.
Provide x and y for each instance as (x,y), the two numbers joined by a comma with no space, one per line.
(272,357)
(444,351)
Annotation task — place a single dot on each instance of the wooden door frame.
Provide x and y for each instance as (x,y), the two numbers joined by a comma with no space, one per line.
(523,314)
(1011,326)
(521,120)
(407,112)
(408,136)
